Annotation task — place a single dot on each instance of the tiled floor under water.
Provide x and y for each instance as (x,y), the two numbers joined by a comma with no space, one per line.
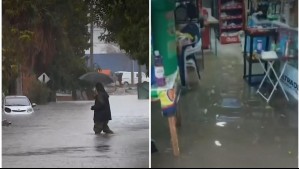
(226,124)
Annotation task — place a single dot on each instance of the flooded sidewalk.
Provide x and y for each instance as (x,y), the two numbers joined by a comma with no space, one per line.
(226,124)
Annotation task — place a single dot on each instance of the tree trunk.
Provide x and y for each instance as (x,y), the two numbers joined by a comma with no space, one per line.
(132,72)
(74,94)
(12,87)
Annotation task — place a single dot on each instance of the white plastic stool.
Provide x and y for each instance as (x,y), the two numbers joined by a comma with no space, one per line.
(271,57)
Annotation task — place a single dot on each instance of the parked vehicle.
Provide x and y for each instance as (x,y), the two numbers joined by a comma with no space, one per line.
(126,77)
(18,105)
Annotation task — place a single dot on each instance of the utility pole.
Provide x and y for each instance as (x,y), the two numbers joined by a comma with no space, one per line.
(132,73)
(91,35)
(19,81)
(139,74)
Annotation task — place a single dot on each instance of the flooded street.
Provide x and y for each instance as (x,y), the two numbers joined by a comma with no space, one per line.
(61,135)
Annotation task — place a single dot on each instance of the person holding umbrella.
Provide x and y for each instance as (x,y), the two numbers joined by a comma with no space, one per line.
(102,112)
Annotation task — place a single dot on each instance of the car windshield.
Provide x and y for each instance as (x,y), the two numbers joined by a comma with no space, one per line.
(17,102)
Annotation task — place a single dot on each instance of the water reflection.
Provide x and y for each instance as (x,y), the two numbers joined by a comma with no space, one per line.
(217,143)
(221,124)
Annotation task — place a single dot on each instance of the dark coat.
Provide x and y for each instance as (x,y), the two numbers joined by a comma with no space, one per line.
(101,108)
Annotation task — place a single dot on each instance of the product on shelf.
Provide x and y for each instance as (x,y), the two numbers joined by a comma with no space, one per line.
(231,20)
(223,15)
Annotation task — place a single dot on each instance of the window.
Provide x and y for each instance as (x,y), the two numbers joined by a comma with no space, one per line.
(17,102)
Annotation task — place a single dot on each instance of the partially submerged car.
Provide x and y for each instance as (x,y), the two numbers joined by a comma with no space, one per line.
(18,105)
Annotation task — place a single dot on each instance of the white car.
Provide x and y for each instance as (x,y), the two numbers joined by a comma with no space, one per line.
(126,77)
(18,105)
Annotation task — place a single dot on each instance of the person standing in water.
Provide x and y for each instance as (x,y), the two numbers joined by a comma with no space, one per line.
(102,112)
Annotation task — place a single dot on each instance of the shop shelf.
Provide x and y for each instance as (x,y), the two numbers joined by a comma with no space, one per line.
(232,17)
(231,27)
(236,14)
(231,7)
(229,39)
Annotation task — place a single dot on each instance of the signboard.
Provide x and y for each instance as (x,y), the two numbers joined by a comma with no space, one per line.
(44,78)
(289,80)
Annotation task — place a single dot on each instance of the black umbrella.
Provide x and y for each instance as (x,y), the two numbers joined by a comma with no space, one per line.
(95,77)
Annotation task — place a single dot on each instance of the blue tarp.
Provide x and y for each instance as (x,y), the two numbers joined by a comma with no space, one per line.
(114,62)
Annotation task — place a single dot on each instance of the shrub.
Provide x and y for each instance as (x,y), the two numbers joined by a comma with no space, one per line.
(39,93)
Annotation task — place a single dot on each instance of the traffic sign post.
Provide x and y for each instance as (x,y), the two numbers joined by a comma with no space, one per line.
(44,78)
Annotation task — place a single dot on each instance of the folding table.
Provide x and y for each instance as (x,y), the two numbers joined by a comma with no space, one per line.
(270,57)
(254,33)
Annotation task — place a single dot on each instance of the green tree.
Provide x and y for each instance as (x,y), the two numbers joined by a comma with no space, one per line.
(45,36)
(126,23)
(19,18)
(68,65)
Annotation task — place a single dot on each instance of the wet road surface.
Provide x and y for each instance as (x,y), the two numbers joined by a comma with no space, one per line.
(61,135)
(226,124)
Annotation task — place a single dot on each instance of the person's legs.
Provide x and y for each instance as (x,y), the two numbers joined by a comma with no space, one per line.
(106,128)
(98,127)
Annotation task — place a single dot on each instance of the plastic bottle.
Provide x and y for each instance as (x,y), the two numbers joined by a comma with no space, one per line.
(159,70)
(286,53)
(273,46)
(153,77)
(287,47)
(269,12)
(278,8)
(163,31)
(259,46)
